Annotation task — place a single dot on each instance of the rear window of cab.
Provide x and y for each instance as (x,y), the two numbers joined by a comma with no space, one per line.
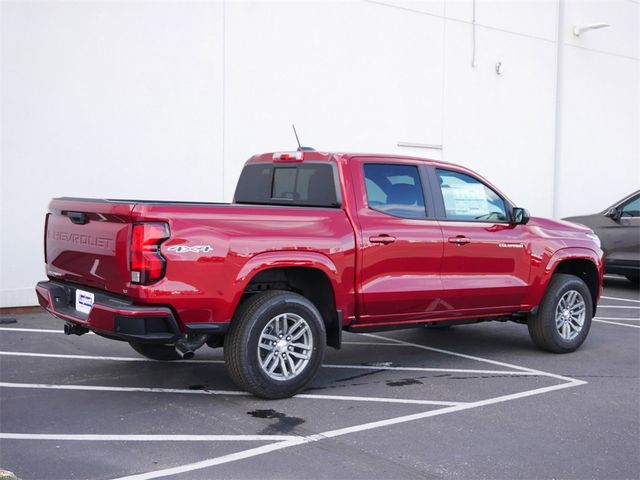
(309,185)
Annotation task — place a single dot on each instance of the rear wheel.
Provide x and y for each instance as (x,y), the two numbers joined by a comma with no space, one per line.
(275,345)
(563,319)
(155,351)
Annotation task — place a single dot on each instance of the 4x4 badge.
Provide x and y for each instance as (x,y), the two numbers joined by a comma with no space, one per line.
(188,249)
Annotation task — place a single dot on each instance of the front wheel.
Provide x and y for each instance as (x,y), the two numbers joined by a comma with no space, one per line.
(275,345)
(563,319)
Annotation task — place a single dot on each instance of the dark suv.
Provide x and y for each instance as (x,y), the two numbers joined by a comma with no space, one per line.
(619,230)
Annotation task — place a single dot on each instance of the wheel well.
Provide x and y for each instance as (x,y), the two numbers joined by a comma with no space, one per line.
(584,269)
(312,284)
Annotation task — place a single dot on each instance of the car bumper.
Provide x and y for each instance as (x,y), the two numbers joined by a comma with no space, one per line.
(110,315)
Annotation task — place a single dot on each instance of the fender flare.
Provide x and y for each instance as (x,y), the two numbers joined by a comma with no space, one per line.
(281,259)
(572,253)
(540,283)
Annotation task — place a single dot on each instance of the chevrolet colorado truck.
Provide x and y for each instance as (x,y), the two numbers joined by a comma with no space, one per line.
(313,244)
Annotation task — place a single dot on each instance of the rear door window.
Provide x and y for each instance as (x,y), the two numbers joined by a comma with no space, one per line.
(395,189)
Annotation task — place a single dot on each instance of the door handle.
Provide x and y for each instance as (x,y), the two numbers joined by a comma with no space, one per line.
(384,239)
(459,240)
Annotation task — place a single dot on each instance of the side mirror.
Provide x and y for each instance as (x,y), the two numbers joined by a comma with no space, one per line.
(519,216)
(613,213)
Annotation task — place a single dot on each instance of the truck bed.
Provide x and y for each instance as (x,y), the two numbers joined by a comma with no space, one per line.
(88,243)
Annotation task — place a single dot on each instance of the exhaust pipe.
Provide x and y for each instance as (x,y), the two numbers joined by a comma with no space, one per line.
(187,346)
(183,349)
(73,329)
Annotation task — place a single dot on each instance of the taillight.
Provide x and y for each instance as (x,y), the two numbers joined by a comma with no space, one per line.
(147,264)
(46,226)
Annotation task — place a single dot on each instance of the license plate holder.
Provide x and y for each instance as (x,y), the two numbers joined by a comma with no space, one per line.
(84,301)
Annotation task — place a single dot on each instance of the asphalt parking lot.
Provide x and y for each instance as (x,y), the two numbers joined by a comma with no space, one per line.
(467,402)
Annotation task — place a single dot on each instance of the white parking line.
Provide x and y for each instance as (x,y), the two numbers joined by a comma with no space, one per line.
(469,357)
(348,367)
(342,431)
(428,369)
(480,359)
(621,299)
(102,388)
(619,306)
(48,330)
(31,330)
(145,438)
(569,382)
(233,457)
(616,323)
(92,357)
(453,407)
(618,318)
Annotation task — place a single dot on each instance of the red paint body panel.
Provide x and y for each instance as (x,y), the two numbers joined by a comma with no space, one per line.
(490,271)
(499,269)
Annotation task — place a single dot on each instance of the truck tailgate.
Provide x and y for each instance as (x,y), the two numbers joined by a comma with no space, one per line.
(87,241)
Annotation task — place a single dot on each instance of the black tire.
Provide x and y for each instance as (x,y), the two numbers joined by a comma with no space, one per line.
(241,343)
(155,351)
(635,279)
(542,326)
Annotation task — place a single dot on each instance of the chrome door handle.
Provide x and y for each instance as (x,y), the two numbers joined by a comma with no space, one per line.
(384,239)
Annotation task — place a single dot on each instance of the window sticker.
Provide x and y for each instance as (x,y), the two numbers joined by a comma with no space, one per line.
(466,200)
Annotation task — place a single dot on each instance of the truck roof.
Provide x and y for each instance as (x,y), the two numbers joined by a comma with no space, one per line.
(296,156)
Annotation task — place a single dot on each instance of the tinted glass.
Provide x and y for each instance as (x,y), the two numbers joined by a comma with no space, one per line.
(301,185)
(395,189)
(466,198)
(632,208)
(284,183)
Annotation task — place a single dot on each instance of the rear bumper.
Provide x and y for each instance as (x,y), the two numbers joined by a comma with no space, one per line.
(110,316)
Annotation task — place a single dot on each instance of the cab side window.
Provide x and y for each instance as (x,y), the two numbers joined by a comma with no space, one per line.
(632,208)
(468,199)
(395,189)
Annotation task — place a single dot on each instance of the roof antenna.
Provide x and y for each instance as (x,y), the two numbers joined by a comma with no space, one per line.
(300,147)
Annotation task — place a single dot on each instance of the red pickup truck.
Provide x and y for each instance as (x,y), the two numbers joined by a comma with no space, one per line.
(314,244)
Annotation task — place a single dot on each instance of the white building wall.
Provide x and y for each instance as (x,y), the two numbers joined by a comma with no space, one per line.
(166,100)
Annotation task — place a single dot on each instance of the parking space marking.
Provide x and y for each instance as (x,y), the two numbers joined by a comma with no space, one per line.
(477,359)
(92,357)
(34,330)
(619,318)
(452,407)
(343,431)
(145,438)
(102,388)
(568,383)
(620,306)
(429,369)
(48,330)
(212,462)
(616,323)
(352,367)
(621,299)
